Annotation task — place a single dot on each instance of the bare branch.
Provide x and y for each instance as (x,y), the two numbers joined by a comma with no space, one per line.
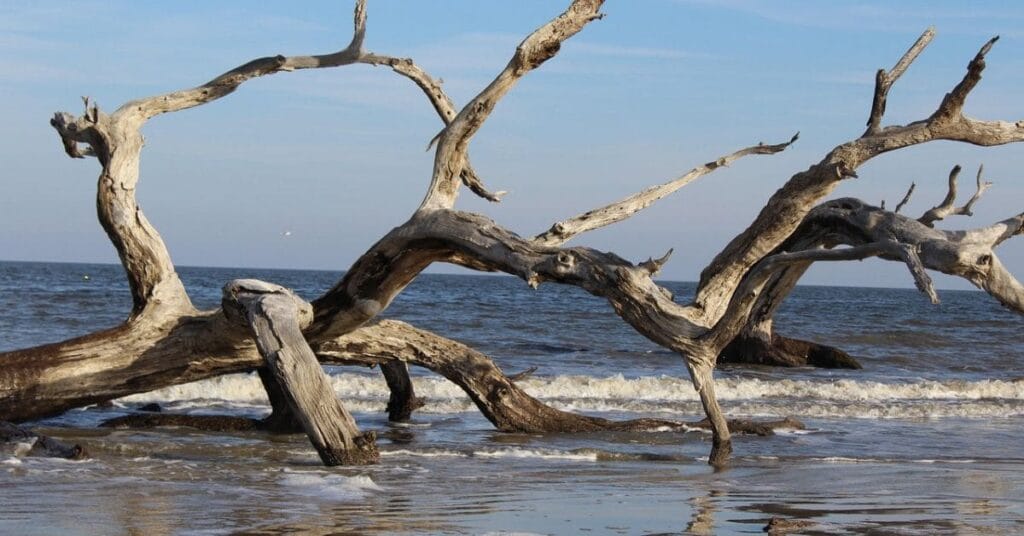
(906,199)
(947,208)
(953,103)
(884,80)
(791,203)
(225,84)
(653,266)
(966,254)
(967,209)
(538,47)
(562,231)
(739,309)
(992,235)
(442,104)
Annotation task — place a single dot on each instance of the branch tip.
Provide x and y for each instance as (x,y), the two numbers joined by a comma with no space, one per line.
(653,266)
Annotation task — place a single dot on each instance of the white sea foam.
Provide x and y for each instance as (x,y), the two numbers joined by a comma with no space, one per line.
(653,394)
(510,452)
(330,486)
(424,453)
(545,454)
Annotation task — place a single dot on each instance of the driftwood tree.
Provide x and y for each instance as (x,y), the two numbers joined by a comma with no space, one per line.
(261,326)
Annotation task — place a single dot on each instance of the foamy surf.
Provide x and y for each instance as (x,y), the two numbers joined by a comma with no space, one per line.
(652,394)
(329,486)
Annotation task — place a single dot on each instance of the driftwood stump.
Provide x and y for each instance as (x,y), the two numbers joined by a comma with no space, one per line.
(275,315)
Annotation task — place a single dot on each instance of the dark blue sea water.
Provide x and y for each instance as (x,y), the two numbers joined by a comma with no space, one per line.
(926,439)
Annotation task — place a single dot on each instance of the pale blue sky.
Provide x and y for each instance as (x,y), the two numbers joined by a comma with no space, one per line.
(337,156)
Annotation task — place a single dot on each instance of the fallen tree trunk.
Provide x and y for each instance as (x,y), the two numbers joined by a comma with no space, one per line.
(276,317)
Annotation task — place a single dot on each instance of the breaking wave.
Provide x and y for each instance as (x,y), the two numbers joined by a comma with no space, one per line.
(651,394)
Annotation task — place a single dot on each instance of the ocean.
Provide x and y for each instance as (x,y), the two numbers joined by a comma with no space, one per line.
(928,438)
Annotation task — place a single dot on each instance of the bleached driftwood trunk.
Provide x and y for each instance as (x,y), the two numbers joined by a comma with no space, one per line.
(166,341)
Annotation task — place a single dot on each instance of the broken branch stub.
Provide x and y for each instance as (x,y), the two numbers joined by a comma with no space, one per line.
(276,316)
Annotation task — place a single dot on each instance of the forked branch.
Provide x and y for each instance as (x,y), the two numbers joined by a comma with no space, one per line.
(947,208)
(885,79)
(453,143)
(790,204)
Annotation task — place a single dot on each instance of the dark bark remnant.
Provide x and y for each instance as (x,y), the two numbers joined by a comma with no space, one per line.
(751,427)
(209,423)
(785,352)
(403,400)
(282,419)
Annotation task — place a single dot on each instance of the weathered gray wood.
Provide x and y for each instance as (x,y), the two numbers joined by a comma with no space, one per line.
(562,231)
(276,315)
(946,207)
(453,142)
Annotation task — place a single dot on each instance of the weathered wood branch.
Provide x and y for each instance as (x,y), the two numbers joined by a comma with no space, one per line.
(786,209)
(885,79)
(138,111)
(453,143)
(151,275)
(442,104)
(276,316)
(562,231)
(738,312)
(966,254)
(282,417)
(953,103)
(496,395)
(479,243)
(947,208)
(906,199)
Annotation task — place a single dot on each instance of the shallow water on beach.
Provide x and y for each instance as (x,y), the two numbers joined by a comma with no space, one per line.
(927,439)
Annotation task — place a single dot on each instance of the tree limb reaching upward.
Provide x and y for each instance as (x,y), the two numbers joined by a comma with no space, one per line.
(947,208)
(166,341)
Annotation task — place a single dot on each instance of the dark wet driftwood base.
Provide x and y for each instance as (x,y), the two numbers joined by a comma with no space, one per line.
(785,352)
(13,436)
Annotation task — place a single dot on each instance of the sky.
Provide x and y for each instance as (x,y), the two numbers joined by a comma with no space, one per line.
(308,169)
